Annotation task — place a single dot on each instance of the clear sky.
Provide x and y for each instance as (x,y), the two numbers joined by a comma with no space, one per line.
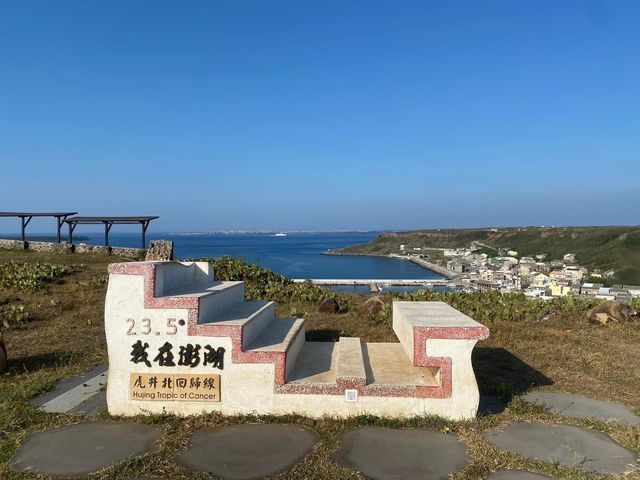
(322,115)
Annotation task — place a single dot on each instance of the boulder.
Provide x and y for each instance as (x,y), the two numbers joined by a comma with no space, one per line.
(611,312)
(329,305)
(373,305)
(160,250)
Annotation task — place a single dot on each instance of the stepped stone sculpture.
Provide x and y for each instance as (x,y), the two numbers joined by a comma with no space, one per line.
(183,343)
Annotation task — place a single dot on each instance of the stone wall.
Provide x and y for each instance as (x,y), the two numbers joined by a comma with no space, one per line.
(127,252)
(49,247)
(84,248)
(12,244)
(134,253)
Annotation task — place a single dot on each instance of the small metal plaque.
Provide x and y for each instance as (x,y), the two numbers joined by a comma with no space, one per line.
(174,387)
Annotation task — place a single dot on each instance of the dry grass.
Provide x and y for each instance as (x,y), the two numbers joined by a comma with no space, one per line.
(67,336)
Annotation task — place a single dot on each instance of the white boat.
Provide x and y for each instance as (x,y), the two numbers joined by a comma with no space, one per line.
(280,234)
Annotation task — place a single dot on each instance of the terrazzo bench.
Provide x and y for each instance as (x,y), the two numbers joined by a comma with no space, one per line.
(172,329)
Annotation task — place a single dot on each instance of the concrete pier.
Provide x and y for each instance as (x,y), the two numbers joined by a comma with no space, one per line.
(368,282)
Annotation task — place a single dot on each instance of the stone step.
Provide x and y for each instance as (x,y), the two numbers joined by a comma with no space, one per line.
(350,363)
(281,335)
(317,363)
(252,317)
(388,364)
(190,276)
(212,300)
(350,368)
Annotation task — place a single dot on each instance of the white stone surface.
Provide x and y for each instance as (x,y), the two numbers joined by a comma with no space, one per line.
(249,387)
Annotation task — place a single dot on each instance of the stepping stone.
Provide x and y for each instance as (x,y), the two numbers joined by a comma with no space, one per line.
(241,452)
(84,448)
(381,453)
(579,406)
(566,445)
(515,475)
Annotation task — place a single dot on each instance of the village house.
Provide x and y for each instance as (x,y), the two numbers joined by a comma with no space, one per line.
(539,280)
(542,267)
(522,269)
(458,265)
(574,273)
(557,275)
(557,290)
(487,275)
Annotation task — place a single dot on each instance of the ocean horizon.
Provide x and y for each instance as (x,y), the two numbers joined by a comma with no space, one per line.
(297,254)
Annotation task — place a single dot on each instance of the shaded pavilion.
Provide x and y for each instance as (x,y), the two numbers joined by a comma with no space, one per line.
(108,222)
(25,218)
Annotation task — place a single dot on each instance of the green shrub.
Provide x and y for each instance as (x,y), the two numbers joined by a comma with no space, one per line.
(23,276)
(484,307)
(265,284)
(488,306)
(14,316)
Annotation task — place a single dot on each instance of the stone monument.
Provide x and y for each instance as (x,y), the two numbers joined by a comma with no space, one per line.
(181,342)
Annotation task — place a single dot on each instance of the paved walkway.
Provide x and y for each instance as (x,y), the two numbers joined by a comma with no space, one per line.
(256,450)
(253,451)
(81,394)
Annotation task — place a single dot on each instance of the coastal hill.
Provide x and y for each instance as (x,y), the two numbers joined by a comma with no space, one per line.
(603,248)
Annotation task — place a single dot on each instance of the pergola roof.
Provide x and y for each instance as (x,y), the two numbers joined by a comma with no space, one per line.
(25,218)
(36,214)
(114,220)
(108,222)
(72,222)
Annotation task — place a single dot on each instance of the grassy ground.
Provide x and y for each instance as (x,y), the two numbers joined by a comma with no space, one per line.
(65,335)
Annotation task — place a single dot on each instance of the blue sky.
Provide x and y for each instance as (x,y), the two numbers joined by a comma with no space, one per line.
(322,115)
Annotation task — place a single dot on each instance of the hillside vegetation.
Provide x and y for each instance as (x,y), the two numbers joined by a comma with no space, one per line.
(616,248)
(52,305)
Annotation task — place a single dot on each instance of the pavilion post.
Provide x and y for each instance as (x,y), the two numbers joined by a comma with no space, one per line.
(144,234)
(107,228)
(70,236)
(59,222)
(24,222)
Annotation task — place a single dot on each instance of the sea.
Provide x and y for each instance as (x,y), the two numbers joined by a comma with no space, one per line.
(295,255)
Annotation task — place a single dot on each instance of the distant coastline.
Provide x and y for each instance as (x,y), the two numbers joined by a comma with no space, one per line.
(268,232)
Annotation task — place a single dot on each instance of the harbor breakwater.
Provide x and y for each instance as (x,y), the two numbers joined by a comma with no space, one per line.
(432,267)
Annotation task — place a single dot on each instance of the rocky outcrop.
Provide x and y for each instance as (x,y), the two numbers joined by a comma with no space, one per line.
(611,312)
(374,305)
(329,305)
(160,250)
